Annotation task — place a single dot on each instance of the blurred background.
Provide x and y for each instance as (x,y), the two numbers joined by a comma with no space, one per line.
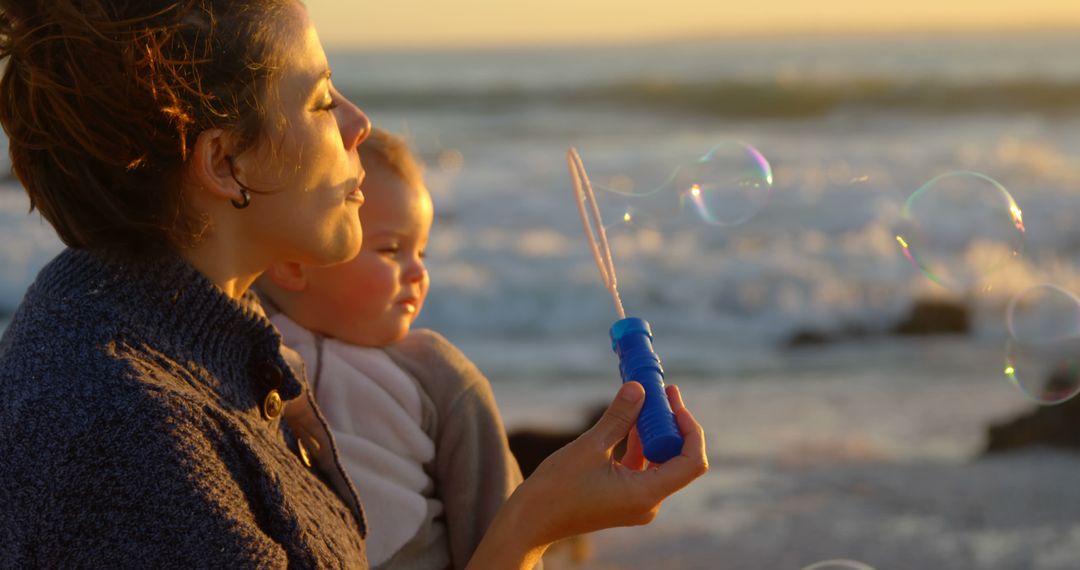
(846,391)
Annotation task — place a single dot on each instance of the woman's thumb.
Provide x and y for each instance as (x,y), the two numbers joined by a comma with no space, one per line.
(620,416)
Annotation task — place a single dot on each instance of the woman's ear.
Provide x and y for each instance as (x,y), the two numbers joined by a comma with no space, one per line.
(209,165)
(288,276)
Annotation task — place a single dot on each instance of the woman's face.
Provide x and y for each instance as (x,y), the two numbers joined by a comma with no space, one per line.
(305,170)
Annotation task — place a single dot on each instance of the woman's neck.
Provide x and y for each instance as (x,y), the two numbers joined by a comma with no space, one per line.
(225,261)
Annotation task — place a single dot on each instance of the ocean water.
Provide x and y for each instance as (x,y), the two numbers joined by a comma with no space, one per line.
(863,449)
(851,126)
(866,451)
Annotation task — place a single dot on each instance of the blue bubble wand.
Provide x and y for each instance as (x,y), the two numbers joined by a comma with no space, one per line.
(631,337)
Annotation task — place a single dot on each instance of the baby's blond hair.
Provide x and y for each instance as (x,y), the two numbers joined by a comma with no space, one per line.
(393,152)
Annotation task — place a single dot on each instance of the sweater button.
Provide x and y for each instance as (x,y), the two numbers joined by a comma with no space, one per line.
(272,405)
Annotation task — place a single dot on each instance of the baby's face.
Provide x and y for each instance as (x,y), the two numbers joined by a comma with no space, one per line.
(373,299)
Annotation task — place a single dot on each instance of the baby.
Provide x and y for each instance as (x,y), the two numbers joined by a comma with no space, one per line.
(415,421)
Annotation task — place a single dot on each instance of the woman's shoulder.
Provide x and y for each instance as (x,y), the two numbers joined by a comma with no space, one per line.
(59,350)
(98,420)
(73,387)
(62,373)
(125,438)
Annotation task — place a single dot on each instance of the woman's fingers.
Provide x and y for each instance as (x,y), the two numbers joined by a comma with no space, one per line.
(692,463)
(693,435)
(688,425)
(674,396)
(634,458)
(578,489)
(620,416)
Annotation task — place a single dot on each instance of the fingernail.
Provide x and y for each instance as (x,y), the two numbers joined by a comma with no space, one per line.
(630,393)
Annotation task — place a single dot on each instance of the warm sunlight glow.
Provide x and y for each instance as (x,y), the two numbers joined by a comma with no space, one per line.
(488,22)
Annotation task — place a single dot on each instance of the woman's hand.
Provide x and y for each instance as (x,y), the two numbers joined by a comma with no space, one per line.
(581,488)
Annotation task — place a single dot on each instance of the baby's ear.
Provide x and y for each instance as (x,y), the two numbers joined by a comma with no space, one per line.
(287,275)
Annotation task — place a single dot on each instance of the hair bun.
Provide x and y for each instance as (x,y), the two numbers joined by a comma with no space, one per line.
(101,100)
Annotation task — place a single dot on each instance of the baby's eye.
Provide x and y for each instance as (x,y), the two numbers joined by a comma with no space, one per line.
(422,253)
(388,249)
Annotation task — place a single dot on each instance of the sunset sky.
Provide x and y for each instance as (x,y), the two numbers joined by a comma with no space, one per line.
(344,23)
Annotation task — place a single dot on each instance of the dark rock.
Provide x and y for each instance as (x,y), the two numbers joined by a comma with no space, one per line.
(811,338)
(935,316)
(808,338)
(532,446)
(1046,426)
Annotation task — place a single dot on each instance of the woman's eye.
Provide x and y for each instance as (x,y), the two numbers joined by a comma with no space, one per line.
(328,104)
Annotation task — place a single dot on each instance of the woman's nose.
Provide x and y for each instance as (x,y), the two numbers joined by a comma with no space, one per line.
(354,124)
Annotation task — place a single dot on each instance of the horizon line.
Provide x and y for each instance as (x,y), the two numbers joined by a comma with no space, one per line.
(795,33)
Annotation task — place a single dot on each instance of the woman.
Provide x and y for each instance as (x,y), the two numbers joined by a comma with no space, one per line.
(179,149)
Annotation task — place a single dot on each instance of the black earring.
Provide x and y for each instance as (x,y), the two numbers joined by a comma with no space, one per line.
(245,203)
(245,192)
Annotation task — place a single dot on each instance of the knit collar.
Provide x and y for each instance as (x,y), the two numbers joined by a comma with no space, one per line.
(164,301)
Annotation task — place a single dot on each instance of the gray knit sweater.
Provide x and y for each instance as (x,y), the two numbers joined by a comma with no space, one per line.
(132,432)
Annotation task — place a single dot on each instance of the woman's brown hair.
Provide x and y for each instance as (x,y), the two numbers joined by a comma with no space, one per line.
(102,101)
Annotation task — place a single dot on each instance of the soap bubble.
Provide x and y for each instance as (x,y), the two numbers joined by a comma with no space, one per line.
(960,229)
(624,206)
(726,186)
(1042,355)
(839,564)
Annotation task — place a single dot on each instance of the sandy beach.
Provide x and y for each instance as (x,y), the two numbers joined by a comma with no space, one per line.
(865,451)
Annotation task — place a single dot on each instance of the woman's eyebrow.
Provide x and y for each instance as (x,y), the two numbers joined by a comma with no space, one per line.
(320,78)
(316,83)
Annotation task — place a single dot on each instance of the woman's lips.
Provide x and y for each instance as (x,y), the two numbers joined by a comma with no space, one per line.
(356,195)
